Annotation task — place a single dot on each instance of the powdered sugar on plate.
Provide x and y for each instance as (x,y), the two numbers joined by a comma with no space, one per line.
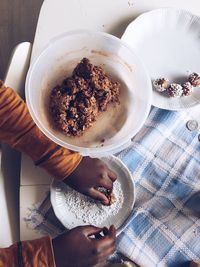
(91,211)
(74,209)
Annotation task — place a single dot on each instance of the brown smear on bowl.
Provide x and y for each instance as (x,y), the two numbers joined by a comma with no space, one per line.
(107,54)
(76,103)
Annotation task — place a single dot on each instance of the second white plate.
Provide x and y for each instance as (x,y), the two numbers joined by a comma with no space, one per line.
(168,42)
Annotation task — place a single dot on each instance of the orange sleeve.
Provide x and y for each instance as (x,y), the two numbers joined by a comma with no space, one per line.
(34,253)
(18,130)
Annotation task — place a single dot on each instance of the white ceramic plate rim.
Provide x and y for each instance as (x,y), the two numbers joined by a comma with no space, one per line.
(135,23)
(126,220)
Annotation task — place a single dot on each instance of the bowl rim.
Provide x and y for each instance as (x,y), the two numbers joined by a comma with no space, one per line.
(107,149)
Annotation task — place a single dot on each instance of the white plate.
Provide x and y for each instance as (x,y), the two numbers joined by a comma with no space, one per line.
(168,42)
(120,220)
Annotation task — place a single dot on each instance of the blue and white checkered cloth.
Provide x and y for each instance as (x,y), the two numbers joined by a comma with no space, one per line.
(165,162)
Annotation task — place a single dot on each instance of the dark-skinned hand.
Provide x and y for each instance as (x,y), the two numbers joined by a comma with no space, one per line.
(90,174)
(80,248)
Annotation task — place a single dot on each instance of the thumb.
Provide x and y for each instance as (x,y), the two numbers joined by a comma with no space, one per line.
(97,195)
(89,230)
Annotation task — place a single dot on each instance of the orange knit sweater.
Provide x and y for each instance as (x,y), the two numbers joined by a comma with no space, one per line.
(18,130)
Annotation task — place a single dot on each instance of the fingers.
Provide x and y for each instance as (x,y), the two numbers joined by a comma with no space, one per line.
(107,240)
(112,175)
(98,236)
(107,178)
(107,252)
(101,255)
(106,245)
(95,194)
(102,233)
(105,230)
(106,182)
(112,231)
(89,230)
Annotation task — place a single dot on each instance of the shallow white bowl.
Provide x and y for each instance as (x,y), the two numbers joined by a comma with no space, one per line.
(120,220)
(117,125)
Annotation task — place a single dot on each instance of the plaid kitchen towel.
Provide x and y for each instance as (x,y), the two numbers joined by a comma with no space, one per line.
(164,159)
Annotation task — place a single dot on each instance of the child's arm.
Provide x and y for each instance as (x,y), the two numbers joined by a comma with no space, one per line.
(18,130)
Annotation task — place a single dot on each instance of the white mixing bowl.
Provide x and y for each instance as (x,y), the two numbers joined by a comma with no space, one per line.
(117,125)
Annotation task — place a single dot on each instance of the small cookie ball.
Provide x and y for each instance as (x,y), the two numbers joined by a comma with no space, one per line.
(175,90)
(194,79)
(187,89)
(161,84)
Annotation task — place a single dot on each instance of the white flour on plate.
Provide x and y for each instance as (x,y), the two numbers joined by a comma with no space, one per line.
(90,211)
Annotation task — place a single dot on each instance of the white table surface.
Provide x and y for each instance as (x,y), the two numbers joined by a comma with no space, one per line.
(56,17)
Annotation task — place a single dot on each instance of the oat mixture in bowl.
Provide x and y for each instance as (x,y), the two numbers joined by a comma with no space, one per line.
(111,119)
(76,103)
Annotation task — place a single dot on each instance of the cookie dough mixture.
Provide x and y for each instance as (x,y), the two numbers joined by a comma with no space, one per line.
(77,102)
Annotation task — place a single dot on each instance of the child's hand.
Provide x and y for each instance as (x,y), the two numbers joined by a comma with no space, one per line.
(76,248)
(90,174)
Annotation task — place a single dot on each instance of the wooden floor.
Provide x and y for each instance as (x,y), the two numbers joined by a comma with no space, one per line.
(18,21)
